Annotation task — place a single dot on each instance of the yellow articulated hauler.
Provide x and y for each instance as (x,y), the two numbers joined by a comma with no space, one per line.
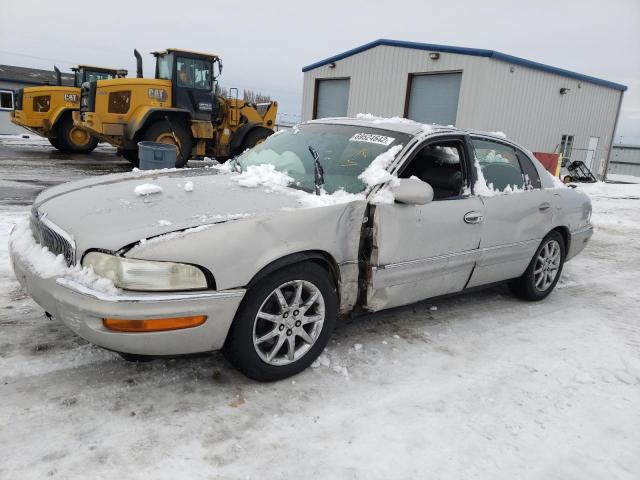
(47,110)
(179,106)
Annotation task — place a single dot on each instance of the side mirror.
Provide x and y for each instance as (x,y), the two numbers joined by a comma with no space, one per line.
(412,191)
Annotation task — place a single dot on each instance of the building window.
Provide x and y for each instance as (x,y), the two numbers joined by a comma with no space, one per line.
(6,100)
(566,146)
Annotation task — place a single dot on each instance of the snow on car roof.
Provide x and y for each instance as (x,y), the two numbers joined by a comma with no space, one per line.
(396,124)
(404,125)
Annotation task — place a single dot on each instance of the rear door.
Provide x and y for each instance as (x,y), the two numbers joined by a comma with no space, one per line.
(517,214)
(421,251)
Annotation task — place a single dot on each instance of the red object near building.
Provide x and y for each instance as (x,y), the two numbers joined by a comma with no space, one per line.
(550,161)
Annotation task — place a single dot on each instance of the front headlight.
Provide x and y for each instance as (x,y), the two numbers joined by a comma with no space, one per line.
(145,275)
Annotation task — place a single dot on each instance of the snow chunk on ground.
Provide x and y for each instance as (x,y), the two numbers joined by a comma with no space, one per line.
(264,174)
(188,187)
(147,189)
(45,264)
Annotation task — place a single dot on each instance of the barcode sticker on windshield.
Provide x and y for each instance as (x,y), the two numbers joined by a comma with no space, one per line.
(372,138)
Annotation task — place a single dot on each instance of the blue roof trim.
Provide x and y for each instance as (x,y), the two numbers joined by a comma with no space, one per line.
(476,52)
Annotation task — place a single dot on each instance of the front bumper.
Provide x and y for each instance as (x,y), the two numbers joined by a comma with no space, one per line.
(82,310)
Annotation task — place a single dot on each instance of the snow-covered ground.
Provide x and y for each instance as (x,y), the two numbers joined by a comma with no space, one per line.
(474,386)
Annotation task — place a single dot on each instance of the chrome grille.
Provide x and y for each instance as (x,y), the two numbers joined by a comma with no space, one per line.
(51,236)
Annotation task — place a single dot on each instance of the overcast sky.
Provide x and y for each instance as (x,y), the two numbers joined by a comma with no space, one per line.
(265,44)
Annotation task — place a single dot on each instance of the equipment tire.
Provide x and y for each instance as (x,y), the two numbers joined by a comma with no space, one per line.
(161,132)
(73,139)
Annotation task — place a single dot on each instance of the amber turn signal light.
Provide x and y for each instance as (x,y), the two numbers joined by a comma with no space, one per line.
(154,324)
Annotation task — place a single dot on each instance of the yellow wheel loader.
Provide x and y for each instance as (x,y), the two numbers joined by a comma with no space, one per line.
(179,106)
(47,110)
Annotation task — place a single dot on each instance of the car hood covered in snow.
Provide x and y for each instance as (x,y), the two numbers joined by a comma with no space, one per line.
(110,212)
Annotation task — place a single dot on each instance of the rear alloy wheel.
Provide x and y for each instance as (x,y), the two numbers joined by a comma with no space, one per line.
(161,132)
(284,323)
(543,271)
(73,139)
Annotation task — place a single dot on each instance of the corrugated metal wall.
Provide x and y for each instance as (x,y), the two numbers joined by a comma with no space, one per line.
(524,103)
(625,160)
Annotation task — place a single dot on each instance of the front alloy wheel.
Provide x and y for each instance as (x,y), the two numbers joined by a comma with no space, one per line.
(283,323)
(289,322)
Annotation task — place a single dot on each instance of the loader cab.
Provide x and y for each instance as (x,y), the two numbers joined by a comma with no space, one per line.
(192,78)
(87,73)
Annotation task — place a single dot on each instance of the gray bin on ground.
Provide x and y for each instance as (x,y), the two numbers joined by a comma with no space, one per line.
(154,155)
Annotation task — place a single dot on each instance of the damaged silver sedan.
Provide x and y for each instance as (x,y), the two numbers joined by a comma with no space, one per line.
(260,256)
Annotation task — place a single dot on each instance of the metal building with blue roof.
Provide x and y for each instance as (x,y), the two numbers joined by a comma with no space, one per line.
(545,108)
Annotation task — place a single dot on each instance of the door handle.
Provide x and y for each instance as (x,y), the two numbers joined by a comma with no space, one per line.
(544,206)
(473,217)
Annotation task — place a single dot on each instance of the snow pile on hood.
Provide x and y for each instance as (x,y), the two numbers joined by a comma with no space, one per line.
(310,200)
(264,174)
(47,265)
(394,120)
(188,187)
(147,189)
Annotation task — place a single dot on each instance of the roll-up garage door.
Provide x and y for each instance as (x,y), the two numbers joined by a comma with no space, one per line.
(332,98)
(434,98)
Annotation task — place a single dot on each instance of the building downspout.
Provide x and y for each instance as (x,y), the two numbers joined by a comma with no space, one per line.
(615,127)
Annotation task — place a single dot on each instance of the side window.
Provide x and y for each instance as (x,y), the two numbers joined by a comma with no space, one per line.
(499,165)
(184,69)
(193,73)
(531,176)
(440,164)
(6,100)
(202,73)
(566,145)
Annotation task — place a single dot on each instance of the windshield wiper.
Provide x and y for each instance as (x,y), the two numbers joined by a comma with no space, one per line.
(318,171)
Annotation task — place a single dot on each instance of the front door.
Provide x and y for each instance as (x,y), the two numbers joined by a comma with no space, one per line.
(517,212)
(193,87)
(422,251)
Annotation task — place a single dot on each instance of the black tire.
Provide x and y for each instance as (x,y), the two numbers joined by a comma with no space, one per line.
(132,357)
(66,134)
(525,286)
(131,156)
(55,143)
(254,137)
(161,129)
(239,347)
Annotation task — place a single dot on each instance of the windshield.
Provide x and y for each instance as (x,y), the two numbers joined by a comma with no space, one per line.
(344,153)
